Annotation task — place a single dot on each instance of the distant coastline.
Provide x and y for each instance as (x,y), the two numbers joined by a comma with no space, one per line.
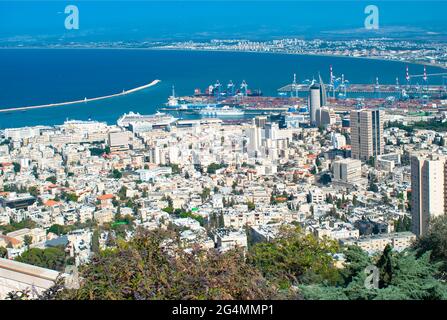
(232,51)
(124,92)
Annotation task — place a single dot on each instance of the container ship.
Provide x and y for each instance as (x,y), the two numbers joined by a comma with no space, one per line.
(219,90)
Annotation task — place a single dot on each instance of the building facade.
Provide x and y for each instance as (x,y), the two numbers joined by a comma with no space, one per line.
(428,190)
(366,133)
(314,104)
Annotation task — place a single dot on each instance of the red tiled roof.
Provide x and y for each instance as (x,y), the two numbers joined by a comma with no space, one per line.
(51,203)
(11,240)
(6,164)
(106,197)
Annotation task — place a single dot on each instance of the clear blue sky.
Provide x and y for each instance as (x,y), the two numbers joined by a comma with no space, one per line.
(152,20)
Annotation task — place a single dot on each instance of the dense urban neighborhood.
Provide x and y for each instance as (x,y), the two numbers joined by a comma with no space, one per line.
(72,191)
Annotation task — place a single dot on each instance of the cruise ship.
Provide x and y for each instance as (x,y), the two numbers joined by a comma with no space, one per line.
(154,120)
(225,111)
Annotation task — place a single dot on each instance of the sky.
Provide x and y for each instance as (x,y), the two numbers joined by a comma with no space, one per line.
(184,20)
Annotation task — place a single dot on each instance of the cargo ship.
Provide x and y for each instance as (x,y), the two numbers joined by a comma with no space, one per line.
(218,90)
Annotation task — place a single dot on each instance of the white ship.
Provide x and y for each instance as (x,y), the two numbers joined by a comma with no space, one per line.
(155,120)
(225,111)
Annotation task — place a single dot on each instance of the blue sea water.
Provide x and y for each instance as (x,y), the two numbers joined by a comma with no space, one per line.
(42,76)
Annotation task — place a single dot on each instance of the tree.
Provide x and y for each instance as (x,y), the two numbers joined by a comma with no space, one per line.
(33,191)
(221,221)
(251,205)
(410,278)
(51,258)
(152,267)
(52,179)
(35,174)
(3,252)
(116,174)
(213,167)
(27,223)
(355,201)
(325,178)
(17,167)
(58,229)
(175,168)
(205,194)
(168,209)
(27,240)
(373,187)
(294,257)
(385,266)
(402,224)
(435,242)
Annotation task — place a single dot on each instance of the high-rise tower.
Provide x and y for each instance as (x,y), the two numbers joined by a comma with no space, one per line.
(428,190)
(366,134)
(314,103)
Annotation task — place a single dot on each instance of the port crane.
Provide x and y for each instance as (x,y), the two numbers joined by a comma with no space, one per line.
(343,86)
(377,88)
(244,88)
(230,88)
(217,89)
(331,81)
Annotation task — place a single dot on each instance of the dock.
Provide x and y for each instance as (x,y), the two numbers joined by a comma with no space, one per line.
(124,92)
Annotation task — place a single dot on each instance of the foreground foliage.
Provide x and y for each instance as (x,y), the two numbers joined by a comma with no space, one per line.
(435,241)
(152,267)
(295,265)
(403,276)
(51,258)
(294,257)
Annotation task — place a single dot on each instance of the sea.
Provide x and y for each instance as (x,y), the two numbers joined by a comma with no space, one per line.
(43,76)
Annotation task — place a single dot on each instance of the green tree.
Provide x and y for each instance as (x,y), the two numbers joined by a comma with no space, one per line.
(385,265)
(251,205)
(51,258)
(27,240)
(205,194)
(95,241)
(410,278)
(435,242)
(17,167)
(294,257)
(213,167)
(355,201)
(116,174)
(57,229)
(33,191)
(52,179)
(26,223)
(145,269)
(325,178)
(3,252)
(373,187)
